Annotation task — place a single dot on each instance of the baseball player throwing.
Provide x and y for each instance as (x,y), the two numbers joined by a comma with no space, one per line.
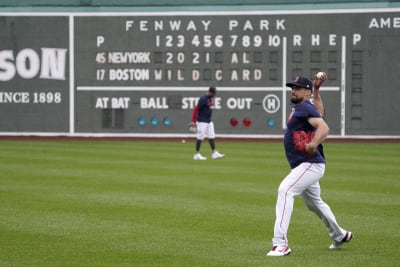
(201,118)
(305,132)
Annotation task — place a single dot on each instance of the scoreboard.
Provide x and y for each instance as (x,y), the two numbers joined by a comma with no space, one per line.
(142,73)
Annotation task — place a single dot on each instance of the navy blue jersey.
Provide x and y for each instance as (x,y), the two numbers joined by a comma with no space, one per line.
(298,121)
(204,106)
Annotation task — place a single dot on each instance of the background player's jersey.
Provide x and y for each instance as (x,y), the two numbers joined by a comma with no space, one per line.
(298,121)
(204,110)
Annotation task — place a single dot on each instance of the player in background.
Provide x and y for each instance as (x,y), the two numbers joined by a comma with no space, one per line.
(201,118)
(306,130)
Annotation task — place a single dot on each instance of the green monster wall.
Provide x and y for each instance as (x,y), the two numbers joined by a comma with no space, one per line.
(136,68)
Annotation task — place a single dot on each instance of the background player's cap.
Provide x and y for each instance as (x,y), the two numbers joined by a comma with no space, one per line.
(301,82)
(212,90)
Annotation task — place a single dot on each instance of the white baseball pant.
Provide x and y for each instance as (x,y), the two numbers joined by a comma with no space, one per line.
(205,129)
(304,181)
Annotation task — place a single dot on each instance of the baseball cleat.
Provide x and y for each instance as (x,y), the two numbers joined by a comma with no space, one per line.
(338,244)
(198,156)
(277,251)
(217,155)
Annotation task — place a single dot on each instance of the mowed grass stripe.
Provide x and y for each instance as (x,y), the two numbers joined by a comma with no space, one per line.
(149,204)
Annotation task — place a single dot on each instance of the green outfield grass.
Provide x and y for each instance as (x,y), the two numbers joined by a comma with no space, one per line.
(123,203)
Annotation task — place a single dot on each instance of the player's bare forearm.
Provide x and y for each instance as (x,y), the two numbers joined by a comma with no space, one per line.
(322,131)
(319,79)
(194,115)
(320,134)
(319,105)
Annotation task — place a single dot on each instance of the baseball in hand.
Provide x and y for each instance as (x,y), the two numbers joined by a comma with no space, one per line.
(320,75)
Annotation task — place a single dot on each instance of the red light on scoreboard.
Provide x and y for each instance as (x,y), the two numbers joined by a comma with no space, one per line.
(234,122)
(246,122)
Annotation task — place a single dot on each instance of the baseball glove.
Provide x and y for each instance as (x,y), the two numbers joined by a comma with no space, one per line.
(192,128)
(301,139)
